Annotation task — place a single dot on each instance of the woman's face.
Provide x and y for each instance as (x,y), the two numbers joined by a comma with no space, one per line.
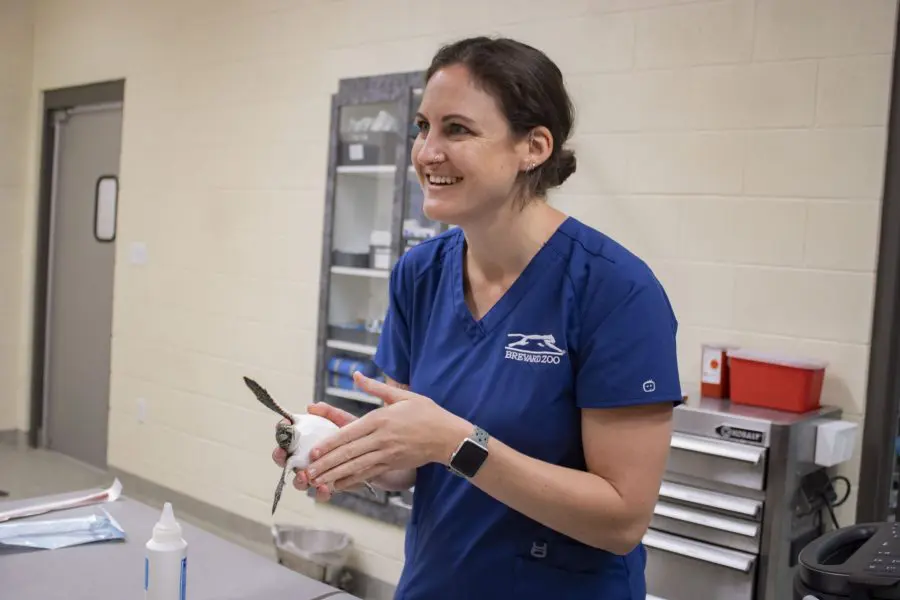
(464,155)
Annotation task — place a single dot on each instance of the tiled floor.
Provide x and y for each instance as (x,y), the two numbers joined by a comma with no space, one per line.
(27,472)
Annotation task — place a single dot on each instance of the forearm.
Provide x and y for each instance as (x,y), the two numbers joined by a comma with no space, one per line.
(575,503)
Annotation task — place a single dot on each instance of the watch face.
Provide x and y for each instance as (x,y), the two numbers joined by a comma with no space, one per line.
(469,458)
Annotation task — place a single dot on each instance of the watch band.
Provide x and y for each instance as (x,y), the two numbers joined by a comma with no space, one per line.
(480,436)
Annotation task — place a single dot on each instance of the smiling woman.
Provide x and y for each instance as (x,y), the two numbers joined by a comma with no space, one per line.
(499,137)
(531,358)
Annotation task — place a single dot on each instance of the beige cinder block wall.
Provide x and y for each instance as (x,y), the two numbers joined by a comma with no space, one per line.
(16,26)
(738,145)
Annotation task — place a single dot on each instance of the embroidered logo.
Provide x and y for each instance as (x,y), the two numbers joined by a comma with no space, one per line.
(539,550)
(535,348)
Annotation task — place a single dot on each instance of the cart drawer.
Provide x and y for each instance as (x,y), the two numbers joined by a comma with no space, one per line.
(714,460)
(719,530)
(711,501)
(683,569)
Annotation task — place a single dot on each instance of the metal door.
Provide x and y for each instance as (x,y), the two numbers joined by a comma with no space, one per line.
(80,286)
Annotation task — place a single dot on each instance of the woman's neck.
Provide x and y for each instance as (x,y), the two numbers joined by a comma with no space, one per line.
(502,245)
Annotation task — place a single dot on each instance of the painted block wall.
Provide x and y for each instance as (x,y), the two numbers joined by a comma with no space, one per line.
(737,145)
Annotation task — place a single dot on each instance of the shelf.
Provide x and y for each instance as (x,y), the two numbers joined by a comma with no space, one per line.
(362,272)
(353,395)
(351,347)
(372,186)
(371,169)
(367,169)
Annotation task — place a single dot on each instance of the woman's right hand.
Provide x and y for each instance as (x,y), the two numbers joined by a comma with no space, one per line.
(335,415)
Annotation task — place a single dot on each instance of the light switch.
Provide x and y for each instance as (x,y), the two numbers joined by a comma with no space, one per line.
(138,253)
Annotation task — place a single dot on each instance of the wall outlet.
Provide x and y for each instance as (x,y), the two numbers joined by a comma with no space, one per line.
(141,410)
(138,253)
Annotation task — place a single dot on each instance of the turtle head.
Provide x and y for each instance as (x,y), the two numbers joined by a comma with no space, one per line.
(284,435)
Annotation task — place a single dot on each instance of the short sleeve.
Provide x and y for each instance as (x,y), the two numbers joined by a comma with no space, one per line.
(393,353)
(627,354)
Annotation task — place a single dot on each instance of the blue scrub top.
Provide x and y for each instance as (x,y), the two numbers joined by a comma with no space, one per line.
(586,325)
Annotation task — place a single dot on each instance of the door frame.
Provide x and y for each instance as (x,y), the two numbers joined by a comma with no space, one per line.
(883,387)
(104,92)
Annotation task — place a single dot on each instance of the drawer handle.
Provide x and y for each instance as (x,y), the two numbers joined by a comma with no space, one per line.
(741,506)
(697,551)
(691,443)
(712,521)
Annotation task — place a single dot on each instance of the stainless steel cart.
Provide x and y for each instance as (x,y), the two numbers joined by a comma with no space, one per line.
(731,517)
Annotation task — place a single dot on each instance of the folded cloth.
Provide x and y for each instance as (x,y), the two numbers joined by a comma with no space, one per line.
(343,382)
(347,366)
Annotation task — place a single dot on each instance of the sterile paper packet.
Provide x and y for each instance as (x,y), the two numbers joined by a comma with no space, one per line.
(110,494)
(61,533)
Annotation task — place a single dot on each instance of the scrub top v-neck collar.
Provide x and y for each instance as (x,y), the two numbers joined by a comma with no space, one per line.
(537,266)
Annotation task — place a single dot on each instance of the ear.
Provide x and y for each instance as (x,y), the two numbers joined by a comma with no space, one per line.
(539,147)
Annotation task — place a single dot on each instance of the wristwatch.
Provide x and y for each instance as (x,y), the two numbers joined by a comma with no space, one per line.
(470,454)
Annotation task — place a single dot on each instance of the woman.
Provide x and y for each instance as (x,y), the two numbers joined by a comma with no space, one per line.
(531,359)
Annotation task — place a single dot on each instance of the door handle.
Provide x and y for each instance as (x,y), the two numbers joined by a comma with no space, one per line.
(106,200)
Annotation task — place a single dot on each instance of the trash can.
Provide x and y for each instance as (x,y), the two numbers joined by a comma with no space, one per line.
(319,554)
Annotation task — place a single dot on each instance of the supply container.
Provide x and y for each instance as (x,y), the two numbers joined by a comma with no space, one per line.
(380,250)
(356,332)
(792,384)
(165,562)
(319,554)
(715,375)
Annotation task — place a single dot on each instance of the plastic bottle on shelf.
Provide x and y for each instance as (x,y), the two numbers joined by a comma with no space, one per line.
(165,562)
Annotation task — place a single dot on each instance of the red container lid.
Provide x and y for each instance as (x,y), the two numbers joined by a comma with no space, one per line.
(778,359)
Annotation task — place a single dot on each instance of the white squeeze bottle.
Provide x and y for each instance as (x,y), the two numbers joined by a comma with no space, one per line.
(165,564)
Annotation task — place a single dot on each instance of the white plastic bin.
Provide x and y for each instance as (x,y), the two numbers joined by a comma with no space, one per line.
(320,554)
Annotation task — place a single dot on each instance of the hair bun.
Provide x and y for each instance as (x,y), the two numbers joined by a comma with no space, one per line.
(565,165)
(559,169)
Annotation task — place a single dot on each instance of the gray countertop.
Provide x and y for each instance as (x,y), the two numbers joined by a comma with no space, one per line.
(217,569)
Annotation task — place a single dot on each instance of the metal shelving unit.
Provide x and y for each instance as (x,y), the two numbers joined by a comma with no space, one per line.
(373,214)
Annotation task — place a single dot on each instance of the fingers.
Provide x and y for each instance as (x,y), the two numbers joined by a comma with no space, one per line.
(357,479)
(347,453)
(346,462)
(343,436)
(279,456)
(388,394)
(301,482)
(337,416)
(323,493)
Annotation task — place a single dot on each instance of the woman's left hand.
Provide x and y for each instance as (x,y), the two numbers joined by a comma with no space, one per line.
(410,430)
